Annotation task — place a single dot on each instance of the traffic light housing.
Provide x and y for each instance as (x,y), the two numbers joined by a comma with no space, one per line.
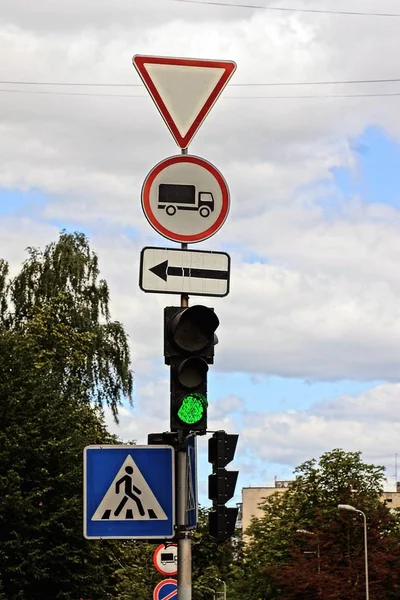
(189,340)
(221,485)
(166,438)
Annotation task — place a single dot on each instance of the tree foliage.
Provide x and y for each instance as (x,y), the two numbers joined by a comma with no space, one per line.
(58,291)
(302,546)
(61,359)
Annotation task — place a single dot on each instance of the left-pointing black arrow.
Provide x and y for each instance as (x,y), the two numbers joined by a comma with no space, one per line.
(163,270)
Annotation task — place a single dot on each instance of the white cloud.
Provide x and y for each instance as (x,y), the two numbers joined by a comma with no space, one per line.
(104,140)
(17,233)
(363,422)
(321,299)
(282,440)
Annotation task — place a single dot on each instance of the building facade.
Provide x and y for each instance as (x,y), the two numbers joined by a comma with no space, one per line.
(253,496)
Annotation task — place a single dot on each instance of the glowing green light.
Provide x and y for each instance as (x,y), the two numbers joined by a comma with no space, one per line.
(192,409)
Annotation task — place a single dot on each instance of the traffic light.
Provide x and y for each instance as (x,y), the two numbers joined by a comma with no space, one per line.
(189,340)
(221,485)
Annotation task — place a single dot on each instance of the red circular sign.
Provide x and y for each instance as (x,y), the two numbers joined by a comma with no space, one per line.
(167,587)
(185,198)
(165,559)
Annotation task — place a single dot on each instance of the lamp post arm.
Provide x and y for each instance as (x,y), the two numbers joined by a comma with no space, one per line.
(224,584)
(210,590)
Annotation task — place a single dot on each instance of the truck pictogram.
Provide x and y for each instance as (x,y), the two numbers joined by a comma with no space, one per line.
(168,558)
(173,197)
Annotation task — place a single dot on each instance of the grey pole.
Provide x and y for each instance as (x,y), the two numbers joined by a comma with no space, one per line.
(353,509)
(184,541)
(365,555)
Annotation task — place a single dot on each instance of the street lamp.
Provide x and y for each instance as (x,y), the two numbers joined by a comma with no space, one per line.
(352,509)
(306,532)
(224,584)
(210,590)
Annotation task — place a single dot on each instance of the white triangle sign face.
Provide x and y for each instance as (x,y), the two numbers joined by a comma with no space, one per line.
(183,89)
(129,497)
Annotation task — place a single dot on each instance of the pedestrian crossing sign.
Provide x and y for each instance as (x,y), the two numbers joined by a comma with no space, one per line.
(129,492)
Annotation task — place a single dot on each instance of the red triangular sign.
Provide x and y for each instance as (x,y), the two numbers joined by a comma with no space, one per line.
(184,90)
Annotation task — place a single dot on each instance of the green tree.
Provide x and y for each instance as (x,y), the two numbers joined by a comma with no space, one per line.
(62,284)
(328,562)
(61,360)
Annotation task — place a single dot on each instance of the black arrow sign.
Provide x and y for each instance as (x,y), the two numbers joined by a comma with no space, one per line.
(163,270)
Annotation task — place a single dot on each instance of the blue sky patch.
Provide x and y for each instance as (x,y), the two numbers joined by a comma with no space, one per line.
(278,394)
(375,178)
(14,202)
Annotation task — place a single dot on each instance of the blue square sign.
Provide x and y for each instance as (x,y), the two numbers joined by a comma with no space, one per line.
(129,492)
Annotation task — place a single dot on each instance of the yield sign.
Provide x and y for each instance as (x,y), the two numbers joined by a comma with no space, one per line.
(184,90)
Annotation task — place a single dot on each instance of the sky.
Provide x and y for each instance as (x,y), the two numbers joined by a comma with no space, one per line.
(308,358)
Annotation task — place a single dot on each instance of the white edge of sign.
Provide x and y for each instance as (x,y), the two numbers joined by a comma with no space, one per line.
(126,537)
(196,484)
(141,271)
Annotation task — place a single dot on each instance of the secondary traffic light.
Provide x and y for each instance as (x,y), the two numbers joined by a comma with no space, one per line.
(221,485)
(189,340)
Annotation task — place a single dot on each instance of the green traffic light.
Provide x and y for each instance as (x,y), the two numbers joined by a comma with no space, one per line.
(192,409)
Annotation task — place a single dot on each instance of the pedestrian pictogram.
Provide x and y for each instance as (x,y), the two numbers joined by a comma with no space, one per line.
(183,89)
(129,497)
(165,559)
(166,590)
(129,492)
(185,198)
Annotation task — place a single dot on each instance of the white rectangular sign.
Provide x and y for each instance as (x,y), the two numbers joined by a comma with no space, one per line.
(176,271)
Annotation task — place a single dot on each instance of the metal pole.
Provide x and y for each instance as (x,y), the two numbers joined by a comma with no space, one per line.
(365,555)
(184,541)
(184,297)
(351,508)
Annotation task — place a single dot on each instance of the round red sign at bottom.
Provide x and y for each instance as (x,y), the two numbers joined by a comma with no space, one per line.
(166,589)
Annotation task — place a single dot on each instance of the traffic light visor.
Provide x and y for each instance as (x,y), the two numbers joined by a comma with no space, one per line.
(222,522)
(221,448)
(193,328)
